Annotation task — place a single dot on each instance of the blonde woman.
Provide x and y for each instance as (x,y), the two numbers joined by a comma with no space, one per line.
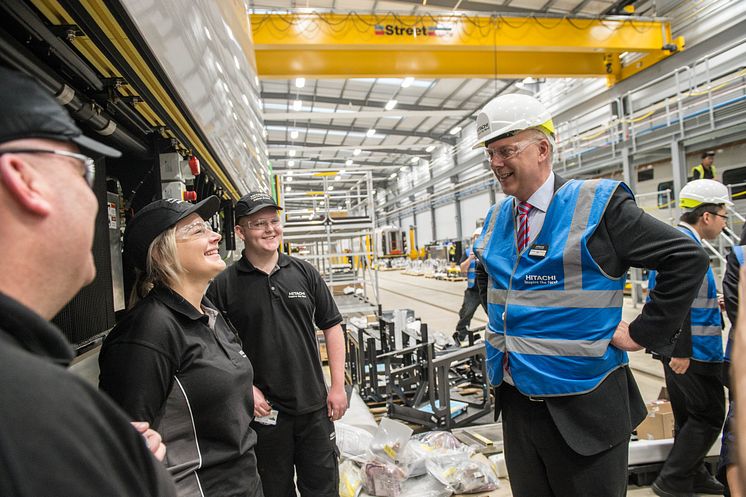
(173,361)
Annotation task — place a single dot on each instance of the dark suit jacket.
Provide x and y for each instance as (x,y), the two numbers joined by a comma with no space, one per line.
(627,237)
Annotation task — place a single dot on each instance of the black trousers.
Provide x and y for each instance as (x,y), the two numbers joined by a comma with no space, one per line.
(468,308)
(698,404)
(303,444)
(541,464)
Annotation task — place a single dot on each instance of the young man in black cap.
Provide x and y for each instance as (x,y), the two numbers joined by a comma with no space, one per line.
(58,435)
(274,301)
(706,168)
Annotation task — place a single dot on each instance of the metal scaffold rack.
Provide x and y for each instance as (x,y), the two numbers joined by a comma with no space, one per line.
(329,220)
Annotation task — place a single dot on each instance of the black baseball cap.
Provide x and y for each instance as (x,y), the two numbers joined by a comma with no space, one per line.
(29,111)
(157,217)
(254,202)
(708,153)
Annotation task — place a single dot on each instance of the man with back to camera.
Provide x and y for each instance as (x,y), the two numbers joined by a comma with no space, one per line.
(693,371)
(471,294)
(706,168)
(58,435)
(274,300)
(555,254)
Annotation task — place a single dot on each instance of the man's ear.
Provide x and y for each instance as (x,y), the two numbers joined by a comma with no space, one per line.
(239,232)
(25,184)
(544,149)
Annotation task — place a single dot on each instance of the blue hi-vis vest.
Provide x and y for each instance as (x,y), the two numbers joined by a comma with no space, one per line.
(707,325)
(471,273)
(555,312)
(738,252)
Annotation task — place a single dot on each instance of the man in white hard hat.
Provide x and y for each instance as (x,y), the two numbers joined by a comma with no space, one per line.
(693,370)
(555,255)
(471,294)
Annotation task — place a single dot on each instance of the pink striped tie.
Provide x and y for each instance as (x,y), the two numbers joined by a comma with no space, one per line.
(522,231)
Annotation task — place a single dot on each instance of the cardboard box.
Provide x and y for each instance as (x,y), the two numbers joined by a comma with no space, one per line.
(659,423)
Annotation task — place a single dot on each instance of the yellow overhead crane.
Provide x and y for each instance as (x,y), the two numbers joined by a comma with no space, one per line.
(321,45)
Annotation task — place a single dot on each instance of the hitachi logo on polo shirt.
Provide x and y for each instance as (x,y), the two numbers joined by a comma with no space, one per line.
(540,279)
(296,295)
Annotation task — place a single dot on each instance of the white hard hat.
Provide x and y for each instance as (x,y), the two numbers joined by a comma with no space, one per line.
(703,191)
(508,114)
(477,232)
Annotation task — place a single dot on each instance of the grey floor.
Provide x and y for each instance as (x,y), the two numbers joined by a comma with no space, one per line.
(437,303)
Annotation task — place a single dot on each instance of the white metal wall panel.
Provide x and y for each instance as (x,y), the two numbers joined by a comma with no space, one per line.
(472,208)
(445,222)
(406,222)
(424,228)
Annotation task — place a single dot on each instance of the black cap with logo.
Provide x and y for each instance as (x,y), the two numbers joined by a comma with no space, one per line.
(29,111)
(254,202)
(157,217)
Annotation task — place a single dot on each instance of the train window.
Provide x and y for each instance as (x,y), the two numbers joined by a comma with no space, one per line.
(645,174)
(665,199)
(737,178)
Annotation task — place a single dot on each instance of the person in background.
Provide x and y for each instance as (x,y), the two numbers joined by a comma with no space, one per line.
(58,435)
(555,254)
(727,466)
(693,371)
(174,361)
(706,168)
(471,294)
(274,301)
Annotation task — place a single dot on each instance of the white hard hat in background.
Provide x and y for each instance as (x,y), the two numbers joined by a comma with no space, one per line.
(703,191)
(511,113)
(477,232)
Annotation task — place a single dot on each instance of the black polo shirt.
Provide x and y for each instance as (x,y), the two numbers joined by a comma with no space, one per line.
(58,435)
(275,316)
(185,373)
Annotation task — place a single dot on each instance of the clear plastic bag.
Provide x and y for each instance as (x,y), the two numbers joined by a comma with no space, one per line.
(350,479)
(390,440)
(440,440)
(430,444)
(463,475)
(383,479)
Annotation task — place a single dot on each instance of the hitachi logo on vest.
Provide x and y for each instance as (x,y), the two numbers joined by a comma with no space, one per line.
(540,279)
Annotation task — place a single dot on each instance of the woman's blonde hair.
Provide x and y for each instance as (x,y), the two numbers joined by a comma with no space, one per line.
(162,266)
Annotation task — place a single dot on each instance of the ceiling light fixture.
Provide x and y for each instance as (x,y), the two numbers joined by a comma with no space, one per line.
(330,187)
(415,160)
(370,132)
(297,105)
(291,163)
(430,148)
(348,162)
(390,104)
(300,82)
(407,82)
(356,151)
(393,175)
(456,130)
(293,134)
(291,153)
